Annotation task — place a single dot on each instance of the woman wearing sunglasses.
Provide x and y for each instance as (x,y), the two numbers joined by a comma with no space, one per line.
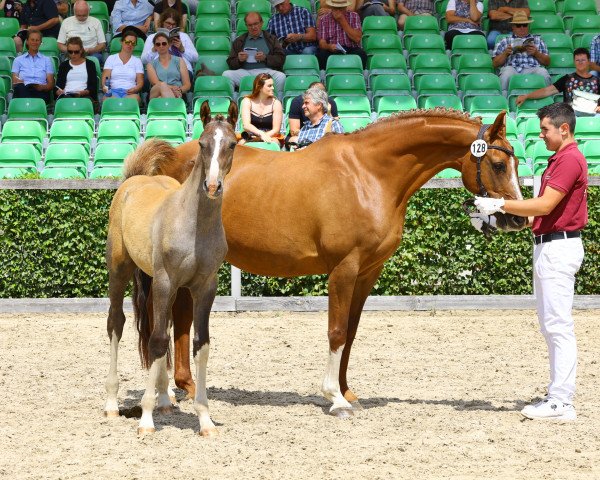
(77,76)
(124,71)
(167,73)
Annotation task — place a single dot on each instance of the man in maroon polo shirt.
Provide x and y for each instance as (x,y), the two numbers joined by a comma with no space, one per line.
(559,214)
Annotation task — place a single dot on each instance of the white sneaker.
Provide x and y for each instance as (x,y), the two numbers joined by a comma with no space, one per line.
(550,409)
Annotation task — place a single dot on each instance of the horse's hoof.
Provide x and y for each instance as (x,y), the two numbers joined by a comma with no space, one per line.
(145,431)
(111,413)
(209,432)
(173,399)
(342,413)
(356,406)
(165,410)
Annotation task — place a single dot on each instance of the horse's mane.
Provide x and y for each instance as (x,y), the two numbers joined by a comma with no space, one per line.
(149,158)
(446,113)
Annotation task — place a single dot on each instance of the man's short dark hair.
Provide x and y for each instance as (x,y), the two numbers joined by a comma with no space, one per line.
(558,113)
(581,51)
(34,31)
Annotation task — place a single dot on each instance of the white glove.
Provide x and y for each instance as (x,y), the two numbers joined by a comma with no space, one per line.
(489,206)
(479,219)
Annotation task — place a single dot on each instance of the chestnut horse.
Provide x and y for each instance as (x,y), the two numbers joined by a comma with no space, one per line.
(174,233)
(338,207)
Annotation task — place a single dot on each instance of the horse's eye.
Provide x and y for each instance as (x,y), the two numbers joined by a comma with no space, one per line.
(499,167)
(232,145)
(203,144)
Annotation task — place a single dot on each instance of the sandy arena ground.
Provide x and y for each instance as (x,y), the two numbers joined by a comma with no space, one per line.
(441,395)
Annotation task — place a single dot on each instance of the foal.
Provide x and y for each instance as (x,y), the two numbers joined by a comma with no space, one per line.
(172,232)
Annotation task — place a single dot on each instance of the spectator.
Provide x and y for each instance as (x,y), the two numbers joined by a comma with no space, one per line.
(500,13)
(132,13)
(9,8)
(581,79)
(262,113)
(88,29)
(296,116)
(124,71)
(32,72)
(595,55)
(181,44)
(294,27)
(41,14)
(521,52)
(410,8)
(323,10)
(376,8)
(168,74)
(62,6)
(177,5)
(77,76)
(319,123)
(464,18)
(266,53)
(339,32)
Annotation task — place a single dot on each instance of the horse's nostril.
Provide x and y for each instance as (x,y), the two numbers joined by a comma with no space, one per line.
(219,186)
(205,186)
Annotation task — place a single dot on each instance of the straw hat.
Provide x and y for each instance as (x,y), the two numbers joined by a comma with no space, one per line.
(520,17)
(338,3)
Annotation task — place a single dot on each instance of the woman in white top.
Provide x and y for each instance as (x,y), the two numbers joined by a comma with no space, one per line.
(77,76)
(262,113)
(181,45)
(125,71)
(464,18)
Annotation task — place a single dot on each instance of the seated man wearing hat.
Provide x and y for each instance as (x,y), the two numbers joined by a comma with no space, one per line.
(339,32)
(294,26)
(521,52)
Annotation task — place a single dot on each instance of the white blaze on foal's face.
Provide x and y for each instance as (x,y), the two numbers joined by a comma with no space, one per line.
(213,172)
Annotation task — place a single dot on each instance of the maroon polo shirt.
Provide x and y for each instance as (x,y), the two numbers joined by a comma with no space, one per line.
(566,172)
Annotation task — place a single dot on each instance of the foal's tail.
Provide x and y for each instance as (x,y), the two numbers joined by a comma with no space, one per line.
(143,322)
(149,158)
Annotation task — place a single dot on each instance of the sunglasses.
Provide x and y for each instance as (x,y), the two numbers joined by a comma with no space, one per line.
(160,44)
(130,42)
(73,52)
(521,25)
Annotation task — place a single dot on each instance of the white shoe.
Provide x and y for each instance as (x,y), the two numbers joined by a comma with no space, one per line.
(550,409)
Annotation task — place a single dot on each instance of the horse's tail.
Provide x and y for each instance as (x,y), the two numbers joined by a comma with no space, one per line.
(143,323)
(149,158)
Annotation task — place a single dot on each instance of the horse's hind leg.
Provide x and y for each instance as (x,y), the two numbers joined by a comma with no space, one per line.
(203,300)
(118,278)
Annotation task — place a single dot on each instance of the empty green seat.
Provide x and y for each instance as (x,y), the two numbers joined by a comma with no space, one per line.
(74,109)
(347,85)
(297,85)
(119,131)
(213,9)
(434,84)
(28,109)
(217,86)
(383,43)
(24,131)
(521,84)
(8,50)
(301,65)
(246,6)
(542,6)
(545,23)
(587,128)
(477,84)
(470,63)
(213,45)
(167,108)
(462,44)
(431,63)
(70,155)
(20,158)
(171,131)
(120,109)
(444,101)
(99,10)
(449,173)
(382,63)
(9,27)
(351,124)
(420,24)
(72,131)
(395,103)
(216,63)
(111,154)
(558,43)
(60,173)
(343,64)
(353,106)
(582,24)
(486,105)
(424,44)
(389,84)
(212,25)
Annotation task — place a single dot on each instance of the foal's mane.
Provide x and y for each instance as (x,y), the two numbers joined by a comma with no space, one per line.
(441,112)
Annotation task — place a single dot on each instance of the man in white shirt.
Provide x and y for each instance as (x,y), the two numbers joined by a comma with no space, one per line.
(81,25)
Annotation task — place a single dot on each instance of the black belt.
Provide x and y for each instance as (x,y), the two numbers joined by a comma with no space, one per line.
(548,237)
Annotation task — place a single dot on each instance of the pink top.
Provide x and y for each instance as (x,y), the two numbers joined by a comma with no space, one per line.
(567,172)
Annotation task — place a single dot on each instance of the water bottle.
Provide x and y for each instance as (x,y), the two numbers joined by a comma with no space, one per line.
(108,92)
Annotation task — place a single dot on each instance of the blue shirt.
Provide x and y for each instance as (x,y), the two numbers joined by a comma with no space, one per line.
(595,49)
(310,133)
(296,21)
(33,68)
(520,60)
(125,13)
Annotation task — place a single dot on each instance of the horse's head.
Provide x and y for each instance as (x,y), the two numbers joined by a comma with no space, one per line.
(217,143)
(495,172)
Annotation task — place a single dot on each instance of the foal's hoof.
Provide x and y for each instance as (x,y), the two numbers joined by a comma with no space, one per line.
(356,406)
(165,410)
(173,399)
(209,432)
(342,413)
(145,431)
(111,413)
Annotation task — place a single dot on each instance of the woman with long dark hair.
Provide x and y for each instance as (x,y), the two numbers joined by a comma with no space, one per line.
(262,112)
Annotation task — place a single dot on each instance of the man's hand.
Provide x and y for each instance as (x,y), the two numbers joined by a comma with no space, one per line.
(176,41)
(260,56)
(489,206)
(508,50)
(531,50)
(337,15)
(479,221)
(293,37)
(520,100)
(242,56)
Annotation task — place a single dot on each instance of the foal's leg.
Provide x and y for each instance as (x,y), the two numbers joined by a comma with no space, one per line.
(364,285)
(203,300)
(119,276)
(341,286)
(183,317)
(164,295)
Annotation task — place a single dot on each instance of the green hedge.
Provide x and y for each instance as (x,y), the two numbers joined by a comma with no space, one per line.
(53,244)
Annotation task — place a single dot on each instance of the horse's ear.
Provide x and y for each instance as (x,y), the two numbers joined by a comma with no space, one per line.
(205,112)
(232,114)
(498,129)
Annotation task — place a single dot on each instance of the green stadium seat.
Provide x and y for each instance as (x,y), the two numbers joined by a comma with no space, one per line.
(528,109)
(395,103)
(301,65)
(74,109)
(245,87)
(424,44)
(343,64)
(70,155)
(304,4)
(519,150)
(72,131)
(578,8)
(582,24)
(584,40)
(436,63)
(540,157)
(383,43)
(346,85)
(167,109)
(420,24)
(546,23)
(111,154)
(434,84)
(351,124)
(385,63)
(542,6)
(561,63)
(449,173)
(106,172)
(486,105)
(558,43)
(120,109)
(297,85)
(477,84)
(216,63)
(213,8)
(8,50)
(19,159)
(212,25)
(9,27)
(461,44)
(530,130)
(374,25)
(61,173)
(587,128)
(520,84)
(217,86)
(99,10)
(353,106)
(213,45)
(217,105)
(119,131)
(3,94)
(24,131)
(524,170)
(261,6)
(389,84)
(28,109)
(470,63)
(197,130)
(444,101)
(171,131)
(264,146)
(591,152)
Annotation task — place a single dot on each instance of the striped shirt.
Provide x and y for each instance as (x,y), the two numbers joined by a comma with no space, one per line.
(296,21)
(595,49)
(520,60)
(332,32)
(420,6)
(310,133)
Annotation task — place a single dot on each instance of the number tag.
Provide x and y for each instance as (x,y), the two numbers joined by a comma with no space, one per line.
(479,148)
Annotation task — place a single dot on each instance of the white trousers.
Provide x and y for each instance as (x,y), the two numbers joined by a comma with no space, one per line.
(508,71)
(555,265)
